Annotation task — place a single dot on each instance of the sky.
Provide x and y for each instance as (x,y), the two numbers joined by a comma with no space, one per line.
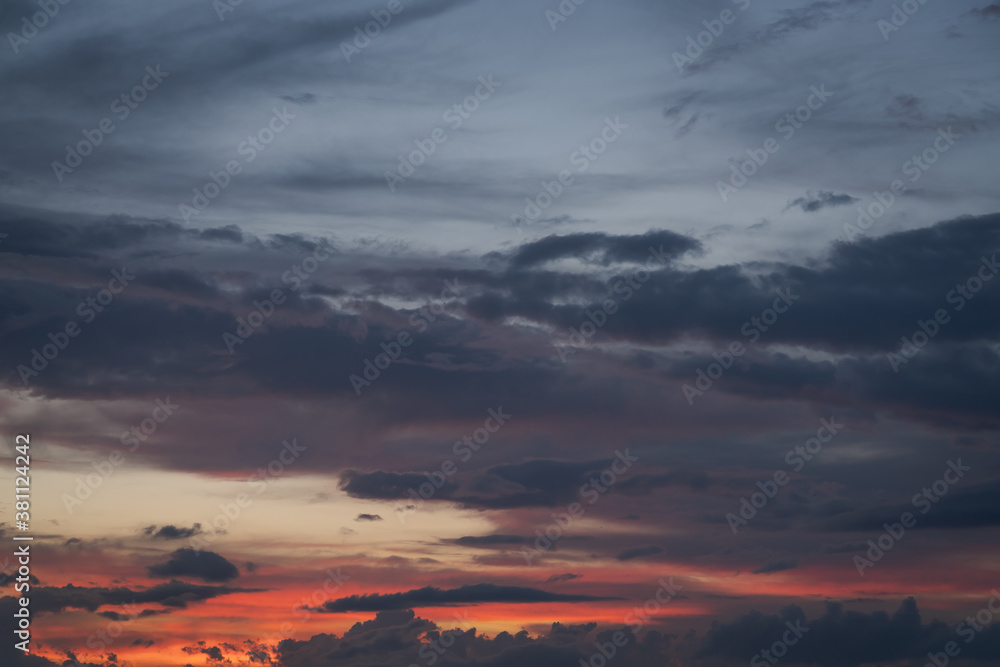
(466,333)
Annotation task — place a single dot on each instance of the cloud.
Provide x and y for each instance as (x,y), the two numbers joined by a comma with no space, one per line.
(536,483)
(301,98)
(430,596)
(602,248)
(805,18)
(562,577)
(204,565)
(845,548)
(118,616)
(776,566)
(380,485)
(172,594)
(171,532)
(836,638)
(639,552)
(397,637)
(987,13)
(906,106)
(815,201)
(976,506)
(840,637)
(368,517)
(489,540)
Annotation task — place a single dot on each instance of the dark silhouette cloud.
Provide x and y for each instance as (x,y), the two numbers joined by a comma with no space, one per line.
(436,597)
(489,540)
(171,532)
(204,565)
(776,566)
(603,248)
(815,201)
(841,637)
(639,552)
(173,594)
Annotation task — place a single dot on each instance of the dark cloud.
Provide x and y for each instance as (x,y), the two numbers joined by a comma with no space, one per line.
(118,616)
(840,637)
(987,13)
(537,483)
(542,483)
(31,236)
(489,540)
(387,485)
(805,18)
(976,506)
(602,248)
(643,484)
(204,565)
(815,201)
(845,548)
(301,98)
(171,532)
(497,342)
(167,323)
(907,107)
(437,597)
(639,552)
(394,637)
(776,566)
(173,594)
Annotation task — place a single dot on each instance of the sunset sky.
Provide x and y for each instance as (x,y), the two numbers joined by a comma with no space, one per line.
(509,333)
